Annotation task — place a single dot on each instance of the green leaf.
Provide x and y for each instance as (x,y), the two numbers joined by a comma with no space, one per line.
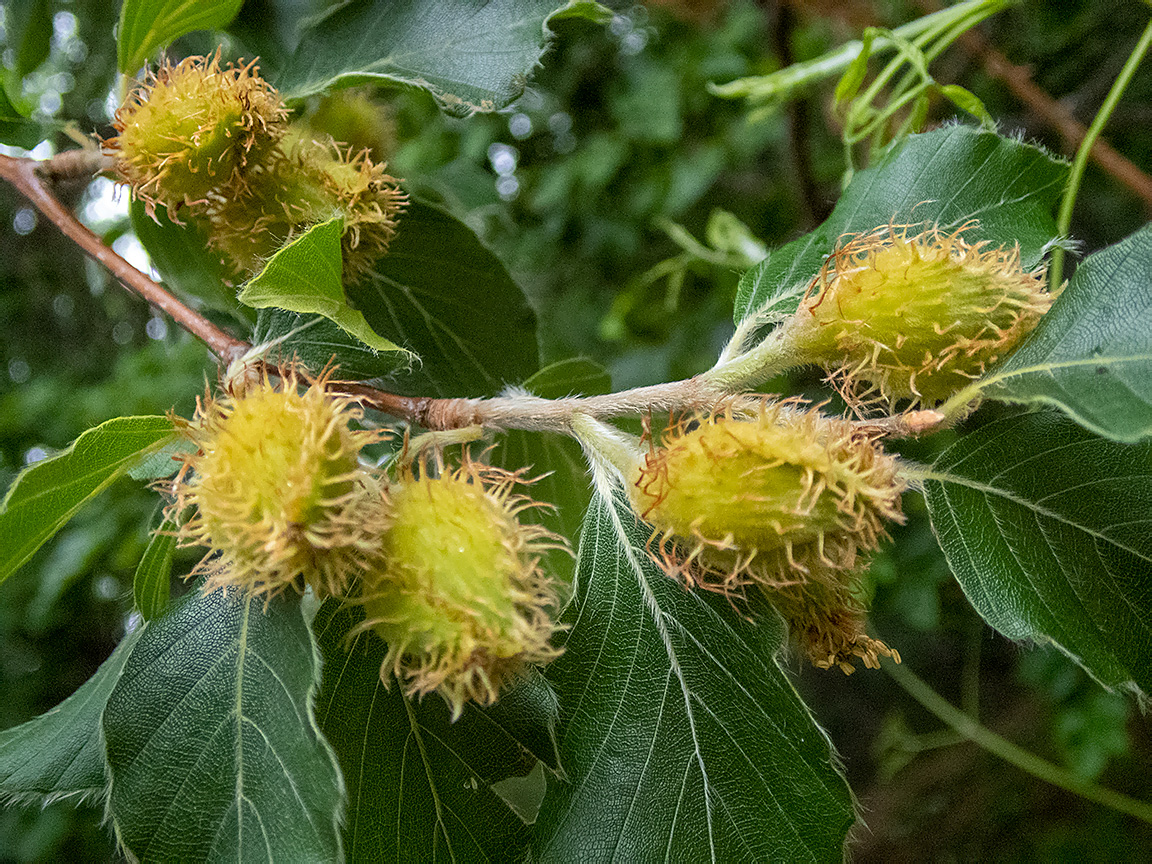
(1091,355)
(472,56)
(576,376)
(1048,529)
(849,84)
(564,483)
(17,130)
(60,754)
(186,263)
(419,785)
(28,33)
(151,586)
(162,462)
(146,25)
(314,342)
(440,292)
(948,177)
(212,746)
(966,100)
(47,494)
(681,737)
(304,276)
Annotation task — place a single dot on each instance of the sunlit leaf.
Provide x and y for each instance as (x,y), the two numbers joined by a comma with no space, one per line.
(146,25)
(305,276)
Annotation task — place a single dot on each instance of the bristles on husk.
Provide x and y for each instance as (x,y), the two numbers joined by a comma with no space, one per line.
(766,498)
(194,129)
(276,492)
(458,593)
(783,500)
(306,182)
(913,314)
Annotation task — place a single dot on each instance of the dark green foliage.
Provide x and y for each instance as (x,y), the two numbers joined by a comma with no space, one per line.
(601,216)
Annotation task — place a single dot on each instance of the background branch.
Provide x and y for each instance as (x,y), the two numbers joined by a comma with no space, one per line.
(33,177)
(1056,115)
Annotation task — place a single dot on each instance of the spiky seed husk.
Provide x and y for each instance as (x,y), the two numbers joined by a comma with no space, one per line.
(303,183)
(781,499)
(786,488)
(459,595)
(913,313)
(355,120)
(193,129)
(826,620)
(275,490)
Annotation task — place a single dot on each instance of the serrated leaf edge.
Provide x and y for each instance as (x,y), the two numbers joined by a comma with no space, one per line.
(310,720)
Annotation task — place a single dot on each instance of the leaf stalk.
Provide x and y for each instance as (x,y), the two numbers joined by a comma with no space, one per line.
(1026,761)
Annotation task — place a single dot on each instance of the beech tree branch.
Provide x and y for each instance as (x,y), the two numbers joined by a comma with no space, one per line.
(512,411)
(31,178)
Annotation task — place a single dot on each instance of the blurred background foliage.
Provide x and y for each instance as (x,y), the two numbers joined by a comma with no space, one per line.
(626,200)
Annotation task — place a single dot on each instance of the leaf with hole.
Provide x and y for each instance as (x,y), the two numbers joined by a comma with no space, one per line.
(419,785)
(680,735)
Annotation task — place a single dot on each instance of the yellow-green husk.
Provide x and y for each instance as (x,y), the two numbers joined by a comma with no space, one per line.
(913,314)
(458,593)
(276,492)
(777,499)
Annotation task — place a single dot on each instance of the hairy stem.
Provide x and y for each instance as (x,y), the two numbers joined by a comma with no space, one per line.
(988,740)
(1080,162)
(739,369)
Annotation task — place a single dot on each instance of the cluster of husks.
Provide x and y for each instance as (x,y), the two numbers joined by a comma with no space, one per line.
(780,500)
(915,317)
(440,563)
(214,143)
(768,498)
